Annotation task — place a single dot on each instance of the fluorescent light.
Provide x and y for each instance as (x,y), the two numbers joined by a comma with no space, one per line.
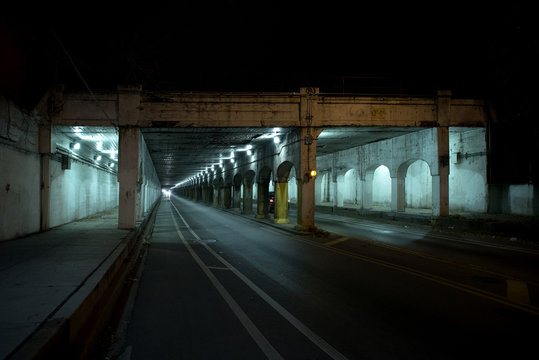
(276,140)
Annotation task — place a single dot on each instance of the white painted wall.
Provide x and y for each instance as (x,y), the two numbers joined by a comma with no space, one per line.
(418,186)
(521,199)
(20,207)
(467,173)
(19,193)
(79,192)
(150,190)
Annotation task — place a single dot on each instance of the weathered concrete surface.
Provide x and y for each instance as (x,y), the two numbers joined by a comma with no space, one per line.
(164,109)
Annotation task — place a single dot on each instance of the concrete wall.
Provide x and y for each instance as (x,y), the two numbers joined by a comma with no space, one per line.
(150,186)
(416,153)
(19,172)
(418,186)
(79,192)
(468,170)
(82,190)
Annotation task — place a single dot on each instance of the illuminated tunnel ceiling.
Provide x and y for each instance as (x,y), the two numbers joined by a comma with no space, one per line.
(180,153)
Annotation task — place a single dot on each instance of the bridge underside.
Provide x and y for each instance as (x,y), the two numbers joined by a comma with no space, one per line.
(222,148)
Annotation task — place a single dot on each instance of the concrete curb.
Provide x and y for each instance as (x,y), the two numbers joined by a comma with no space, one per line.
(77,324)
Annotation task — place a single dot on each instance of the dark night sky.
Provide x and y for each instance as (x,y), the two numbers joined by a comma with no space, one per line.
(268,46)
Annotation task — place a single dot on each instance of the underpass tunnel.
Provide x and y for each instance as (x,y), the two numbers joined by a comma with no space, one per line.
(85,171)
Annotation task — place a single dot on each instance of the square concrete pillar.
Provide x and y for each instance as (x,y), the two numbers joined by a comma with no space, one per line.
(440,180)
(128,172)
(247,199)
(366,186)
(398,200)
(306,184)
(45,152)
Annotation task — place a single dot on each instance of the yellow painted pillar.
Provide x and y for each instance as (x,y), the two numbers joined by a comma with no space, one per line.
(281,203)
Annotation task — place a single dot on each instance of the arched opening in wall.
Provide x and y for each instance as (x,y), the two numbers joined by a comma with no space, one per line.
(381,189)
(351,189)
(418,187)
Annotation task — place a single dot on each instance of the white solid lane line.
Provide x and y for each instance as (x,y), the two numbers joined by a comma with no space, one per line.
(317,340)
(253,331)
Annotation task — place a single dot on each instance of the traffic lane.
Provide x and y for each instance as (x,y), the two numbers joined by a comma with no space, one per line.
(365,308)
(177,313)
(500,256)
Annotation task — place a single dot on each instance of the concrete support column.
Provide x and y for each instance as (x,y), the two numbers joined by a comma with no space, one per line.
(339,190)
(366,186)
(440,181)
(281,203)
(215,196)
(227,201)
(128,170)
(247,199)
(237,197)
(45,152)
(306,184)
(262,200)
(398,199)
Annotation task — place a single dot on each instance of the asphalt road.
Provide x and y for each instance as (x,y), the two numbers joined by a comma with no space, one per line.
(216,285)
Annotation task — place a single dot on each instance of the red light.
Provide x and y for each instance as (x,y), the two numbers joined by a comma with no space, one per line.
(271,200)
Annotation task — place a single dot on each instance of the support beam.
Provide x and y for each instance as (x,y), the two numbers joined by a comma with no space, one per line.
(281,203)
(440,181)
(227,201)
(306,184)
(262,200)
(128,170)
(247,199)
(398,198)
(45,151)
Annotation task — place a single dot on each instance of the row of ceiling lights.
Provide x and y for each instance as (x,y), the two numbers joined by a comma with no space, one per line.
(98,139)
(248,149)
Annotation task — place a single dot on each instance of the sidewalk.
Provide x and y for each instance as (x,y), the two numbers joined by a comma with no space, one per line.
(52,283)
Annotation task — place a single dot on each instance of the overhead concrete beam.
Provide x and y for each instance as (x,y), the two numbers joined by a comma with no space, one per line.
(168,109)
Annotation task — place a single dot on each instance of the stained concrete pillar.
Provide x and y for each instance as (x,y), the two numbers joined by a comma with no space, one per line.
(281,203)
(45,152)
(398,199)
(227,194)
(237,197)
(306,184)
(128,170)
(262,200)
(215,201)
(366,186)
(247,199)
(440,181)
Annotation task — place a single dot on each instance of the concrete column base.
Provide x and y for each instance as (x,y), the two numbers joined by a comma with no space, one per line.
(281,221)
